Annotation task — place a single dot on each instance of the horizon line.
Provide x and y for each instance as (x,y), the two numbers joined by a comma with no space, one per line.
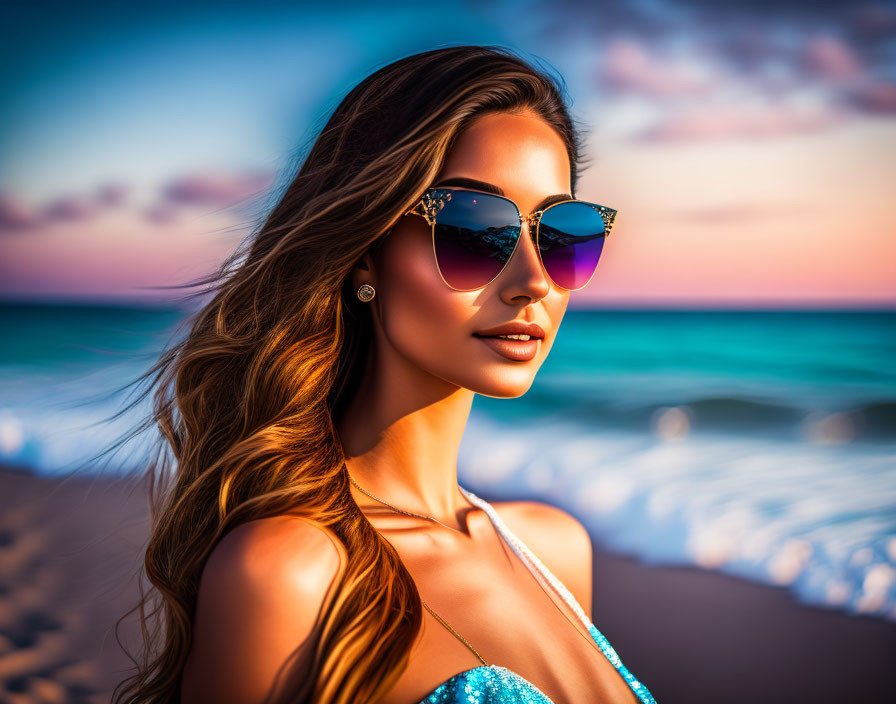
(615,305)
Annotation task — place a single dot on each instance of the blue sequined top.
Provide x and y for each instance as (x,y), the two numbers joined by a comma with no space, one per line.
(495,684)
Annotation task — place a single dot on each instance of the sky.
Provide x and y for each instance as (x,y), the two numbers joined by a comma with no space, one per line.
(750,148)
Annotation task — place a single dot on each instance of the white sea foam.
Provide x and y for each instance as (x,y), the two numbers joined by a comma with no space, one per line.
(779,512)
(679,438)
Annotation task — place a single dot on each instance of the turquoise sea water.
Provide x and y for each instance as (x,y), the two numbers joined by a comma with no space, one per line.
(757,443)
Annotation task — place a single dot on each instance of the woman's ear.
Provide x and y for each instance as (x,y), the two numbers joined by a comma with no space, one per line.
(364,271)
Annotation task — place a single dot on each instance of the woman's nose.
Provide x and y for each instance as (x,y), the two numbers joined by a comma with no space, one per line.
(525,270)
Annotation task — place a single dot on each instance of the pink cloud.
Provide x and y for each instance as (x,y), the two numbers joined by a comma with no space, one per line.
(118,253)
(112,194)
(217,189)
(160,214)
(15,214)
(742,214)
(630,67)
(734,121)
(199,190)
(875,96)
(874,21)
(829,58)
(69,208)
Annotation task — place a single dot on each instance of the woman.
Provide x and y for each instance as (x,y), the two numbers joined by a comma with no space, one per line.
(314,544)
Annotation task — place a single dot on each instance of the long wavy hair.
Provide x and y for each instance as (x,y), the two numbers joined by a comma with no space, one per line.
(246,402)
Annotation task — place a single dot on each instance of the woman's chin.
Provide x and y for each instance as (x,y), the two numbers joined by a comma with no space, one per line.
(504,383)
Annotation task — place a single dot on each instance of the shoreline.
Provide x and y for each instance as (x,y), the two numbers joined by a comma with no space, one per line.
(70,554)
(722,638)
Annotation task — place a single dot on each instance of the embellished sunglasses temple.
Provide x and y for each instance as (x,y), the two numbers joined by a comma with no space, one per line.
(434,199)
(430,203)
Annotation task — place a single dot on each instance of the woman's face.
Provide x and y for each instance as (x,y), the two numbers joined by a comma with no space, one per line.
(432,325)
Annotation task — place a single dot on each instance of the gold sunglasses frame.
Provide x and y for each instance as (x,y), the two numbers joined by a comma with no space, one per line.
(434,199)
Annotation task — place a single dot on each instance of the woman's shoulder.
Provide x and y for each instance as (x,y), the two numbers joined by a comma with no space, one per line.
(544,521)
(558,538)
(289,546)
(262,592)
(283,566)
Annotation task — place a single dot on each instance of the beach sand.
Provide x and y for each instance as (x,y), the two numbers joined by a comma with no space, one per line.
(70,549)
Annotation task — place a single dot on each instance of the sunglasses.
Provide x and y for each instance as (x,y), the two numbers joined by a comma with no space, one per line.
(474,234)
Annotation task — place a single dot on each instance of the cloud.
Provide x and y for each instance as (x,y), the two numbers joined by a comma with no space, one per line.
(849,79)
(873,22)
(734,121)
(831,59)
(111,194)
(221,190)
(15,214)
(69,208)
(118,253)
(630,67)
(160,214)
(739,214)
(746,84)
(875,97)
(217,189)
(708,58)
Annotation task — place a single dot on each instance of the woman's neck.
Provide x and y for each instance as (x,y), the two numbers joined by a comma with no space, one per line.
(401,437)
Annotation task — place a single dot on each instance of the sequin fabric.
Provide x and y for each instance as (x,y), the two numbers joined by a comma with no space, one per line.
(484,685)
(495,684)
(637,687)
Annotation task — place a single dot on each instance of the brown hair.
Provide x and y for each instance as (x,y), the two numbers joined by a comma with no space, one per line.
(246,401)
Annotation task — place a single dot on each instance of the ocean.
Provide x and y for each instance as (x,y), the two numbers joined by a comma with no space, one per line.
(757,443)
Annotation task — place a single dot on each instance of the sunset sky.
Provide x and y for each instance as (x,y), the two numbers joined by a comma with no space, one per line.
(750,148)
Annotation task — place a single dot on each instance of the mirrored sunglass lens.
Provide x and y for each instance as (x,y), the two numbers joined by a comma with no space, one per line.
(570,239)
(475,234)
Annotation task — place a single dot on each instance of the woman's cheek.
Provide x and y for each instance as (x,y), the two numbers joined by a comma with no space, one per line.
(422,316)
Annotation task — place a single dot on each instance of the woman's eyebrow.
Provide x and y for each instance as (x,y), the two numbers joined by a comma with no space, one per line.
(476,184)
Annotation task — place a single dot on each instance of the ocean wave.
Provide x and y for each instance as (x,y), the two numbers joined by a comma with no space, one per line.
(817,519)
(861,420)
(669,440)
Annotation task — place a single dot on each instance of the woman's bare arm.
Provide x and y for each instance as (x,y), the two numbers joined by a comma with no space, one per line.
(260,597)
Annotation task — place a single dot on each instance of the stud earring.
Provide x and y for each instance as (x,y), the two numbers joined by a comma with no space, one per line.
(366,292)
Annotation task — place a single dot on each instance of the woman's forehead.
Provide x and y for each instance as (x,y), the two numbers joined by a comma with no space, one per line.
(520,154)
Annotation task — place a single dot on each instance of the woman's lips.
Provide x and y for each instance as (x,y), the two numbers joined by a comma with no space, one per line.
(517,350)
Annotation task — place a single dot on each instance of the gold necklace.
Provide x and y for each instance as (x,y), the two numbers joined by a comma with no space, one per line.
(430,518)
(406,513)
